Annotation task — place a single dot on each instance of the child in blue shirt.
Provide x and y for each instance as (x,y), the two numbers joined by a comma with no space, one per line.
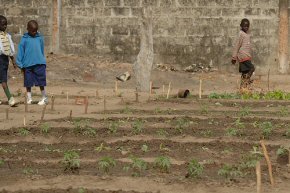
(6,51)
(31,60)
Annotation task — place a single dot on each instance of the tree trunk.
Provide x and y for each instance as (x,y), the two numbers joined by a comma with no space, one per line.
(143,65)
(283,36)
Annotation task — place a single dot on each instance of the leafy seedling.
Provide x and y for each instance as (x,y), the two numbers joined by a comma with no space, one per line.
(45,128)
(204,109)
(137,166)
(71,160)
(113,127)
(181,124)
(88,131)
(81,190)
(163,148)
(127,110)
(29,171)
(106,163)
(228,171)
(195,169)
(233,132)
(101,148)
(281,151)
(145,148)
(80,125)
(163,163)
(162,133)
(244,111)
(137,126)
(267,129)
(207,133)
(1,162)
(23,131)
(288,133)
(283,112)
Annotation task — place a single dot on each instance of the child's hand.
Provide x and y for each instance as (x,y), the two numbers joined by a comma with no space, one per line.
(14,64)
(234,61)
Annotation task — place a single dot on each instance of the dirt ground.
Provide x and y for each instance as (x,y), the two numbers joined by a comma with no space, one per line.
(180,129)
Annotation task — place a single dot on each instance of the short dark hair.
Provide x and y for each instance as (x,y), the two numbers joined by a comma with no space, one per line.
(32,23)
(2,18)
(244,21)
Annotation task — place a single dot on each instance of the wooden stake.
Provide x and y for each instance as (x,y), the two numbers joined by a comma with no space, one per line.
(105,105)
(116,88)
(24,120)
(150,88)
(7,114)
(168,91)
(25,103)
(70,115)
(97,94)
(259,177)
(268,80)
(268,162)
(43,112)
(66,97)
(163,90)
(52,103)
(289,156)
(86,105)
(200,87)
(238,84)
(137,95)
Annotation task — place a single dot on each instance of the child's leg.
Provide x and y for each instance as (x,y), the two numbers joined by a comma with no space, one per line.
(43,93)
(29,97)
(6,90)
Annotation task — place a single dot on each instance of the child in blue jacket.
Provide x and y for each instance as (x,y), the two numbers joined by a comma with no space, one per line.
(31,60)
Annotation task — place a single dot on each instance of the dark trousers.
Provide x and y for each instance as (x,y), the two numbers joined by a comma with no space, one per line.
(247,69)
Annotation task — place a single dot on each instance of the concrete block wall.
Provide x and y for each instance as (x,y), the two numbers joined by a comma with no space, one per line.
(185,31)
(19,12)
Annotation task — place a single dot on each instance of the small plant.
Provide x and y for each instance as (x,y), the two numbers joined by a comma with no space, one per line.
(81,190)
(45,128)
(23,131)
(163,163)
(80,125)
(113,127)
(283,112)
(71,160)
(88,131)
(244,111)
(1,162)
(106,163)
(233,132)
(101,148)
(249,160)
(287,133)
(267,129)
(137,165)
(204,109)
(137,126)
(181,124)
(29,171)
(282,151)
(162,133)
(229,171)
(239,124)
(145,148)
(207,133)
(163,148)
(127,110)
(195,169)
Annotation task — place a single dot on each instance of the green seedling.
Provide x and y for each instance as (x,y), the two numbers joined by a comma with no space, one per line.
(71,160)
(207,133)
(162,133)
(1,162)
(137,127)
(204,109)
(44,128)
(267,129)
(181,124)
(23,131)
(101,148)
(50,149)
(137,166)
(288,133)
(80,125)
(282,151)
(113,127)
(239,124)
(244,111)
(195,169)
(229,171)
(283,112)
(227,151)
(81,190)
(163,148)
(29,171)
(233,132)
(127,110)
(145,148)
(163,163)
(249,160)
(106,163)
(88,131)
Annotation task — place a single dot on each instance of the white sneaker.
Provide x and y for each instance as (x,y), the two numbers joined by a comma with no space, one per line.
(0,102)
(43,101)
(29,101)
(11,102)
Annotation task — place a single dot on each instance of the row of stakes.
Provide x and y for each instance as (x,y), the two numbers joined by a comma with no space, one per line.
(86,100)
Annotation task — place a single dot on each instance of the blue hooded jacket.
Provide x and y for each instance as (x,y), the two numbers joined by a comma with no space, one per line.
(30,51)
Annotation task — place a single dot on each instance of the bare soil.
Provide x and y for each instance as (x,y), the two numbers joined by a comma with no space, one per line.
(31,160)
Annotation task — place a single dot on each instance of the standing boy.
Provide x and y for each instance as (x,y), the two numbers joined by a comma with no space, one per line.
(242,53)
(31,60)
(6,51)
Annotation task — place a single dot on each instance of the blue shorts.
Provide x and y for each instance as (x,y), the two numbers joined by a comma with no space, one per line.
(35,75)
(4,62)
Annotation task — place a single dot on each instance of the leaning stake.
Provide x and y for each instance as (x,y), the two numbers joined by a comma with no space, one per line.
(268,162)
